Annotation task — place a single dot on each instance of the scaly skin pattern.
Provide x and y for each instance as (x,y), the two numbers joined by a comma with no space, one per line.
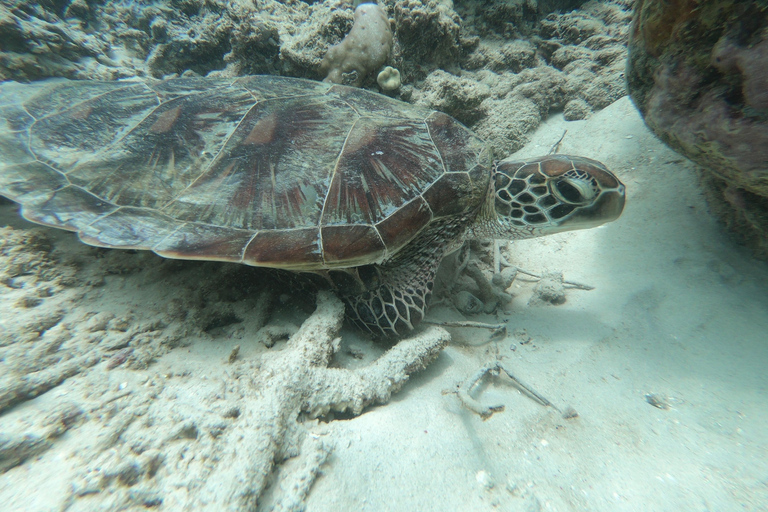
(399,291)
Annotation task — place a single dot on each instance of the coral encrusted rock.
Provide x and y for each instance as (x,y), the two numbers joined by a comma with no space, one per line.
(698,73)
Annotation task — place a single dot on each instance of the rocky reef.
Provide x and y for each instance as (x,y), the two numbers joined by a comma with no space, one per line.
(698,73)
(499,66)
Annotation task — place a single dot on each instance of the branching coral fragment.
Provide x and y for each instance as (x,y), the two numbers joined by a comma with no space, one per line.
(298,380)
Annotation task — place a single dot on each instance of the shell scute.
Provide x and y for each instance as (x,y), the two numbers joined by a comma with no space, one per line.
(67,208)
(268,87)
(288,249)
(480,175)
(460,149)
(171,146)
(186,85)
(14,147)
(384,164)
(31,182)
(369,103)
(88,125)
(399,228)
(274,170)
(129,228)
(203,242)
(350,245)
(58,95)
(451,194)
(14,118)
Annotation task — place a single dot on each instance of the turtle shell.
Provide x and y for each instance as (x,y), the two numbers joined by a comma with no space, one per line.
(267,171)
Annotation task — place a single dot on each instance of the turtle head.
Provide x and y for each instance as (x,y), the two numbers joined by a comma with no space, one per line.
(552,194)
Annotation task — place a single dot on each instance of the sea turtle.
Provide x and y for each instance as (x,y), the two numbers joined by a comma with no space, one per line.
(367,191)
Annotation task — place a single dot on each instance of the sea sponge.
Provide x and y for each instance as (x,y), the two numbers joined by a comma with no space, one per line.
(389,79)
(365,49)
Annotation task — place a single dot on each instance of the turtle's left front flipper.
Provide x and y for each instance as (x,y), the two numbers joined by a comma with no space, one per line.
(398,291)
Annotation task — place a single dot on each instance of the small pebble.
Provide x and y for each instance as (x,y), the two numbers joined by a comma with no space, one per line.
(658,401)
(468,303)
(356,352)
(234,354)
(484,478)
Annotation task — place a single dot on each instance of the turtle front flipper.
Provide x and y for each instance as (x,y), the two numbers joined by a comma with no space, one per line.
(397,305)
(396,293)
(399,302)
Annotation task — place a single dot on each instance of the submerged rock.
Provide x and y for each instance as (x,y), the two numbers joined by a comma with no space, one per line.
(698,73)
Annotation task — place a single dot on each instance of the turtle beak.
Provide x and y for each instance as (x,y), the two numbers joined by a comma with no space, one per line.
(614,203)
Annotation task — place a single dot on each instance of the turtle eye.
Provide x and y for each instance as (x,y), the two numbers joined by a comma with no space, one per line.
(574,191)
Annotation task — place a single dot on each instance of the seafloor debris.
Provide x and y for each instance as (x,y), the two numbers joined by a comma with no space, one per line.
(549,290)
(157,436)
(477,279)
(486,411)
(658,401)
(297,381)
(15,448)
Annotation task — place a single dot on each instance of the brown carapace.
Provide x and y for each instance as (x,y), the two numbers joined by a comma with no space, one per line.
(284,173)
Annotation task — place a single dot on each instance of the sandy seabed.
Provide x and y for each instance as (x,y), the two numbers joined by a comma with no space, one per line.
(664,362)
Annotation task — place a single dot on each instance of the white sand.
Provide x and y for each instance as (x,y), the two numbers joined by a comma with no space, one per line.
(678,311)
